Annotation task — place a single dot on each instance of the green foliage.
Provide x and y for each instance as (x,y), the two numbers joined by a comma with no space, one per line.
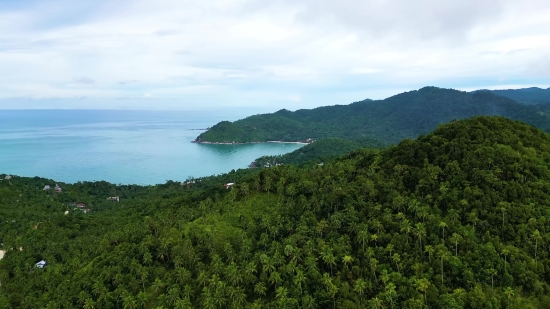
(319,152)
(532,95)
(454,219)
(405,115)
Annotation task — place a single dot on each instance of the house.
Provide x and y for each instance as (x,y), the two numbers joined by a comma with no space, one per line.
(57,189)
(229,185)
(80,205)
(47,187)
(41,264)
(86,210)
(8,177)
(114,199)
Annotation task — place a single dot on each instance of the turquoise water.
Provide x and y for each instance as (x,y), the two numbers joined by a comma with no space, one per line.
(127,147)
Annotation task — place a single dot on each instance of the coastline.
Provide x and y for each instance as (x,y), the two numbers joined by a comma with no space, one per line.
(245,143)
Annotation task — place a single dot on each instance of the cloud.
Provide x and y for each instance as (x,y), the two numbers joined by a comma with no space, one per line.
(84,80)
(128,81)
(222,52)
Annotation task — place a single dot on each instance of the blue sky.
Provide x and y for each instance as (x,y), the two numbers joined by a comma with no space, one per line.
(262,55)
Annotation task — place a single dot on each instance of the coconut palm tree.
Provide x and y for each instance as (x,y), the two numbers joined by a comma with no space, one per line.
(422,285)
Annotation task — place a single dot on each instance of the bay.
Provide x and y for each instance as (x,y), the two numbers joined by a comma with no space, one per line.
(120,146)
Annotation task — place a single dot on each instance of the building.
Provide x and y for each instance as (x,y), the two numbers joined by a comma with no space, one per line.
(41,264)
(114,199)
(47,187)
(8,177)
(229,185)
(80,205)
(57,189)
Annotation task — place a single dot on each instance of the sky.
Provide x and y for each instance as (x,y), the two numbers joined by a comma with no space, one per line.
(262,55)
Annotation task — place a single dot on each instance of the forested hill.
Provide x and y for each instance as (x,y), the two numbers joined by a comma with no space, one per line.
(405,115)
(318,152)
(454,219)
(533,95)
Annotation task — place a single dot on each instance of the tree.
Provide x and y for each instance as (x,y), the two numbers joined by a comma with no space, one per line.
(376,303)
(360,287)
(422,285)
(89,304)
(299,280)
(362,236)
(443,254)
(509,292)
(430,250)
(373,265)
(492,272)
(260,289)
(456,238)
(390,294)
(443,225)
(420,232)
(537,237)
(396,259)
(505,252)
(330,288)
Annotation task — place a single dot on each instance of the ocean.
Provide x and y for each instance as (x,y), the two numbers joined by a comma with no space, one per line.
(119,146)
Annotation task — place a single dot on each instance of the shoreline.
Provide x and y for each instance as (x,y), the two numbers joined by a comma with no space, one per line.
(245,143)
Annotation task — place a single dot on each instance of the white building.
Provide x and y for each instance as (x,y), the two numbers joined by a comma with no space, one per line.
(41,264)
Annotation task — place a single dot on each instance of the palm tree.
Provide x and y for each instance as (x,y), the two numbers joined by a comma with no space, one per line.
(376,303)
(473,219)
(299,280)
(422,285)
(275,279)
(505,252)
(406,229)
(536,236)
(396,259)
(129,302)
(329,259)
(362,236)
(456,238)
(347,259)
(509,292)
(373,264)
(360,287)
(330,287)
(390,293)
(420,231)
(374,238)
(89,304)
(430,250)
(443,254)
(389,248)
(443,225)
(260,289)
(492,272)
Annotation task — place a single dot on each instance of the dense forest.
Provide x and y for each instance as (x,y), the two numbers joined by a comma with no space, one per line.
(318,152)
(533,95)
(454,219)
(405,115)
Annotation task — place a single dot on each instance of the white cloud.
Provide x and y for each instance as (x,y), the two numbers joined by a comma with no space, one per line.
(222,52)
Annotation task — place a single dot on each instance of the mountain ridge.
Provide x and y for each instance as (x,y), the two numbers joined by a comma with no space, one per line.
(405,115)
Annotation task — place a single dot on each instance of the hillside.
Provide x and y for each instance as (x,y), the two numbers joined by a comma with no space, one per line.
(318,152)
(454,219)
(405,115)
(533,95)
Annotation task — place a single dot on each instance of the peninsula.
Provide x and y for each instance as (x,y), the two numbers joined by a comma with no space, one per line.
(406,115)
